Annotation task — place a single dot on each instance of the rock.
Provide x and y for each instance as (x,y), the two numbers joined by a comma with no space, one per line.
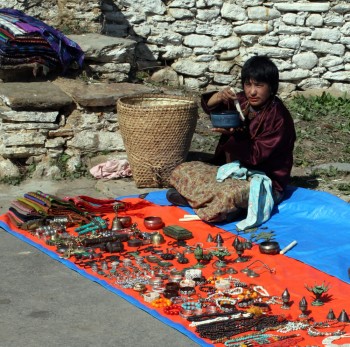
(343,167)
(34,96)
(105,49)
(166,76)
(8,169)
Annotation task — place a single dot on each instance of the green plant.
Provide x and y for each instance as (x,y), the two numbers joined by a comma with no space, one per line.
(12,181)
(331,172)
(344,187)
(81,169)
(322,125)
(142,75)
(325,105)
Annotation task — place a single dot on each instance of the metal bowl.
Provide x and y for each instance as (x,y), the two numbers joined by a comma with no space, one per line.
(269,247)
(153,223)
(225,119)
(126,221)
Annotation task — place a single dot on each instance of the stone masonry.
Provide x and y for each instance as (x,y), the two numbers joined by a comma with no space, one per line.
(201,44)
(186,44)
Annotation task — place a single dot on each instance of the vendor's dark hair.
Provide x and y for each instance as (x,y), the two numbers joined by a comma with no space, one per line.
(261,69)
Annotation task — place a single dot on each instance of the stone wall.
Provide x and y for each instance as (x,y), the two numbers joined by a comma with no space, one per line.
(184,43)
(203,43)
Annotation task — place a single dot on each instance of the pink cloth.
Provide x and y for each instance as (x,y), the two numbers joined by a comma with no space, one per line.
(114,168)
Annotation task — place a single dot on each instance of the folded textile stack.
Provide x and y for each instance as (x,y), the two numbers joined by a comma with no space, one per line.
(26,40)
(34,208)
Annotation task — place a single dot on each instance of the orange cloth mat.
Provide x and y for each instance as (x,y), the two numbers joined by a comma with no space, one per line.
(288,273)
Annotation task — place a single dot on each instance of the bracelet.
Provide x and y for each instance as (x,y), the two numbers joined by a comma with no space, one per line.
(174,286)
(151,296)
(187,283)
(275,300)
(190,274)
(185,313)
(235,291)
(187,290)
(177,300)
(261,290)
(245,303)
(191,306)
(158,289)
(206,288)
(237,283)
(211,309)
(161,302)
(264,307)
(228,308)
(170,293)
(221,301)
(199,280)
(172,310)
(222,284)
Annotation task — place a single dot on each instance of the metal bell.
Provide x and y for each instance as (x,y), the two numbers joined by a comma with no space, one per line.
(116,224)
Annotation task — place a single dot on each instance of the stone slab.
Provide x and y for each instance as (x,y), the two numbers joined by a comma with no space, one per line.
(102,48)
(102,94)
(34,96)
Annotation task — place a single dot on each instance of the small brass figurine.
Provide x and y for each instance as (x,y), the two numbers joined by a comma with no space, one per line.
(240,247)
(285,299)
(220,254)
(303,308)
(318,291)
(198,254)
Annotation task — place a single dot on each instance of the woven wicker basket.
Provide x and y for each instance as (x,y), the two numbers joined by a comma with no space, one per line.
(157,131)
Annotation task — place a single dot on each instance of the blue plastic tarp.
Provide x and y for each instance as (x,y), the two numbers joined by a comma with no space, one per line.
(318,221)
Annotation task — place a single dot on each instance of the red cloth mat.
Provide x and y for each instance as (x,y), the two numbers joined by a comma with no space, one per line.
(288,273)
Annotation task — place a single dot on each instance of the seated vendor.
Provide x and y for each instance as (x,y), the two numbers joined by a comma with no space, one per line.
(264,142)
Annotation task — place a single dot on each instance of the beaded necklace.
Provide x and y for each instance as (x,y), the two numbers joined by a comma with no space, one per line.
(328,341)
(229,328)
(259,339)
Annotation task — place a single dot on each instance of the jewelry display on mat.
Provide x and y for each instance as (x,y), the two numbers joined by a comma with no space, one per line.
(199,290)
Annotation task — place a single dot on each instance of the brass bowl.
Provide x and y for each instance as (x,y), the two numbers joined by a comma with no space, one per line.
(125,220)
(153,223)
(269,247)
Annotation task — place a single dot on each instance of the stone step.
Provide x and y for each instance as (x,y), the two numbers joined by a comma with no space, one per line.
(47,96)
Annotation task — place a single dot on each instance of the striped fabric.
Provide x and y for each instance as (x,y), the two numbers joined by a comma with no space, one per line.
(25,39)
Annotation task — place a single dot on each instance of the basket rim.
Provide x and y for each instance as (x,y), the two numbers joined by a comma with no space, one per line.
(188,101)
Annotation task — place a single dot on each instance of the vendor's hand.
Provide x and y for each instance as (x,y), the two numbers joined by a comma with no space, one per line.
(226,95)
(224,131)
(223,96)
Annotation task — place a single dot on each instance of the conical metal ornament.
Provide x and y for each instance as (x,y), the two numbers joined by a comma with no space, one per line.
(235,242)
(343,317)
(210,238)
(219,240)
(331,315)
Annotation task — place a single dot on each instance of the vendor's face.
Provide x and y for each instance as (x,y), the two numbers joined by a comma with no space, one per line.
(257,92)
